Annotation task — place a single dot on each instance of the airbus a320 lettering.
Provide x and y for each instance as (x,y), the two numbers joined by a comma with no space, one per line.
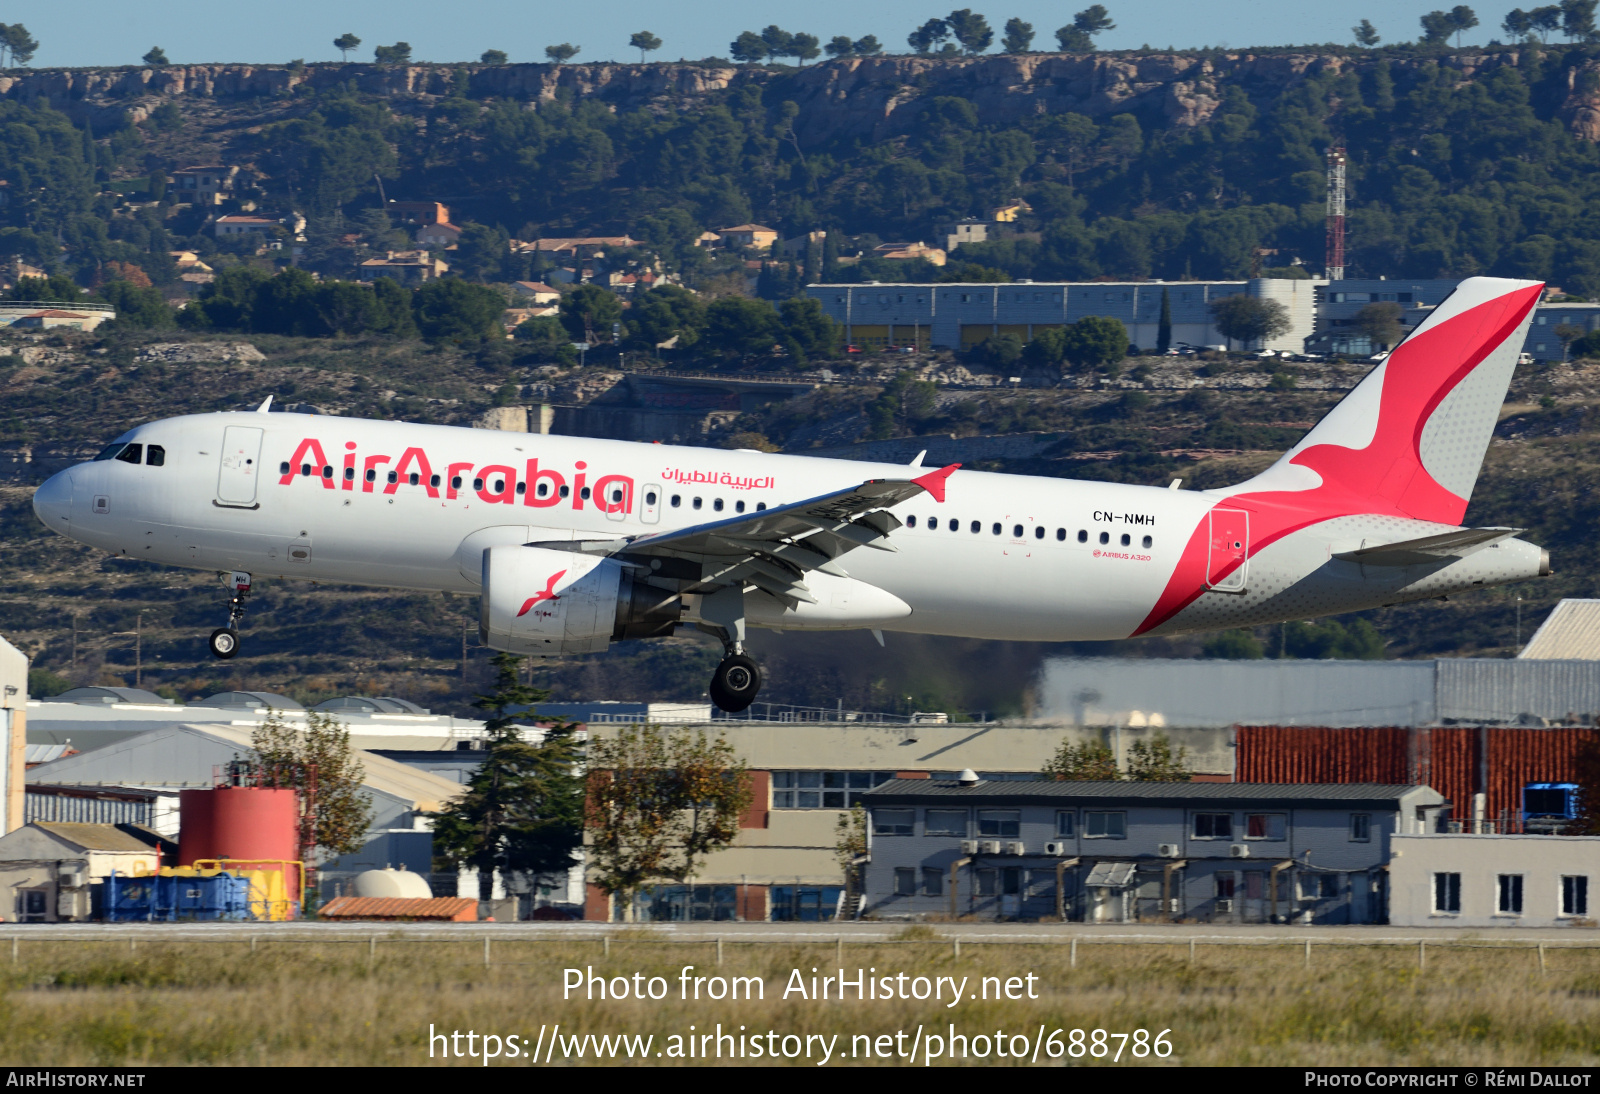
(573,543)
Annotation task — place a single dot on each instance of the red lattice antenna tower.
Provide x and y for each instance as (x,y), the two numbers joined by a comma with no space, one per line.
(1335,253)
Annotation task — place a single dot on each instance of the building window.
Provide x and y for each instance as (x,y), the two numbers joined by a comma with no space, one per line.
(946,822)
(1066,824)
(1447,893)
(893,822)
(1213,826)
(1011,880)
(1574,895)
(987,882)
(999,823)
(1224,886)
(1510,894)
(1319,886)
(1269,826)
(905,881)
(1097,825)
(932,881)
(822,789)
(1255,885)
(1360,827)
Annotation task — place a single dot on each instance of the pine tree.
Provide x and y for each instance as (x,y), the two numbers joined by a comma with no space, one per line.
(523,807)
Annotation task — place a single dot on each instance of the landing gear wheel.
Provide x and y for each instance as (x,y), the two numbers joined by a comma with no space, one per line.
(224,642)
(735,683)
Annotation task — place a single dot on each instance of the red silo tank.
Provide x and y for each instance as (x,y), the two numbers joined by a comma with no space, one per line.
(249,826)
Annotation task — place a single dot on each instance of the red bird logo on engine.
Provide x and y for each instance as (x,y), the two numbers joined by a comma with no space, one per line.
(548,593)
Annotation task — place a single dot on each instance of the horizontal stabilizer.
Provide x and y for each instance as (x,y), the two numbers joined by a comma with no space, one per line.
(1413,552)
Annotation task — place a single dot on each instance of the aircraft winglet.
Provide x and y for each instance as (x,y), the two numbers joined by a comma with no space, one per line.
(266,405)
(933,481)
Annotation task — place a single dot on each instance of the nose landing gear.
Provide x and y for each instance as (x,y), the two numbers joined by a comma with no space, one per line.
(225,640)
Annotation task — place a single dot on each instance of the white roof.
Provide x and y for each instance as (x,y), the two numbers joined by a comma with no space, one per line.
(1571,632)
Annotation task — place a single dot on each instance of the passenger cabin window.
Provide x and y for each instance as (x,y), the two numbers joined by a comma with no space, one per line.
(1083,535)
(911,521)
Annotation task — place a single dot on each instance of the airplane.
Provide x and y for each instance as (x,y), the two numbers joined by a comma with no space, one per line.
(573,543)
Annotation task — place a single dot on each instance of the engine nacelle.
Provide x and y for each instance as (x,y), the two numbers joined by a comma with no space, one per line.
(550,603)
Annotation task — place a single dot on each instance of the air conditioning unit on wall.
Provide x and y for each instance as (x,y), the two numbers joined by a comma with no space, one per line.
(1168,850)
(1016,848)
(1238,850)
(1058,847)
(969,847)
(989,847)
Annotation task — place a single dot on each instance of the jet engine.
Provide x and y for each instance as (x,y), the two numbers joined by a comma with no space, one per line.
(550,603)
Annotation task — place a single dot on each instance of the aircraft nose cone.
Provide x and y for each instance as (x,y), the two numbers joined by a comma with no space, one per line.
(52,502)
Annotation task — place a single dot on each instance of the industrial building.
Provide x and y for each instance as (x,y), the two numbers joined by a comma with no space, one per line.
(50,872)
(1479,880)
(1112,852)
(1322,314)
(1464,691)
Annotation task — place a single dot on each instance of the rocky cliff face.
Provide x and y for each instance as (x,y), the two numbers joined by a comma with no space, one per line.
(859,98)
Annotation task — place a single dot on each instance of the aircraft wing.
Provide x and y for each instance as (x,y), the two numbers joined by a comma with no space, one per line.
(1412,552)
(772,549)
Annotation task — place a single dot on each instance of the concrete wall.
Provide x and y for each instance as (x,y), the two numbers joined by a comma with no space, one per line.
(13,734)
(1540,860)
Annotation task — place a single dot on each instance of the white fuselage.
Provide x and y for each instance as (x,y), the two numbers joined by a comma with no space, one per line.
(1003,556)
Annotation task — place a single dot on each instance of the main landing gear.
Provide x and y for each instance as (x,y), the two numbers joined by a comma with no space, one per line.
(737,681)
(225,640)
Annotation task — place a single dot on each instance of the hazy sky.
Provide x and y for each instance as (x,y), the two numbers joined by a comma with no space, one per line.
(114,32)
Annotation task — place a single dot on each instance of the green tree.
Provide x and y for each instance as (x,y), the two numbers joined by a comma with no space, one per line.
(840,45)
(1577,20)
(545,338)
(749,47)
(644,42)
(1366,34)
(494,57)
(868,46)
(1248,319)
(805,47)
(1380,323)
(1545,20)
(737,326)
(345,43)
(480,252)
(1357,641)
(320,763)
(1567,334)
(138,307)
(588,313)
(1235,645)
(1155,760)
(1019,36)
(156,57)
(42,683)
(452,310)
(1091,761)
(779,42)
(810,328)
(928,35)
(970,29)
(850,846)
(17,43)
(522,810)
(397,54)
(662,314)
(1078,36)
(1096,341)
(659,802)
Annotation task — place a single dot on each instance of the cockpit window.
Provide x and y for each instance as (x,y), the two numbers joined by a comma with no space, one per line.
(133,453)
(155,456)
(110,451)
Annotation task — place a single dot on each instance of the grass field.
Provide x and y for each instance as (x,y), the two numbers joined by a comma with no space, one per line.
(354,1003)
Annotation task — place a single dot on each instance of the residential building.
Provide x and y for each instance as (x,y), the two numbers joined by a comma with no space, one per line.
(536,292)
(13,269)
(954,233)
(417,214)
(743,236)
(573,246)
(799,246)
(960,315)
(438,237)
(13,310)
(245,224)
(907,251)
(709,240)
(1009,212)
(206,184)
(1112,852)
(1544,343)
(1494,880)
(407,267)
(53,870)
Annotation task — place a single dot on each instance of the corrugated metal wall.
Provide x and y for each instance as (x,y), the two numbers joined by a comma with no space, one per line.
(1447,759)
(67,809)
(1487,690)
